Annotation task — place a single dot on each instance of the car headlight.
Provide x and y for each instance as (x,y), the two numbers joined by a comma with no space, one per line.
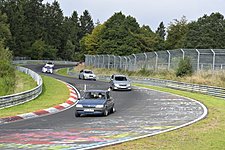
(99,106)
(116,85)
(128,84)
(79,106)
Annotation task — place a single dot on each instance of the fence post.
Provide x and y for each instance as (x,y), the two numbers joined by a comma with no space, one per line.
(198,59)
(125,66)
(214,55)
(156,61)
(114,61)
(135,61)
(120,62)
(108,61)
(182,52)
(146,57)
(103,61)
(169,56)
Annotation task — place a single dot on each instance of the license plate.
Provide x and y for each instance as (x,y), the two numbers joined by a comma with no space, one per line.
(89,110)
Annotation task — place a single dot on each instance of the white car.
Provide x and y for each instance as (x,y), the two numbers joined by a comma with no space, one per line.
(87,74)
(50,64)
(47,69)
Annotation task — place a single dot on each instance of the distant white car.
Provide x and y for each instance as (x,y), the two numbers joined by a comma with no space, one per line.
(50,64)
(87,74)
(47,69)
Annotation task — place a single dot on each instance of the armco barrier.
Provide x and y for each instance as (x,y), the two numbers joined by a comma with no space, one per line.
(204,89)
(19,98)
(44,61)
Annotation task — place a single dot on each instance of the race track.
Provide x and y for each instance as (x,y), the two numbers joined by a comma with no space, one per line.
(140,113)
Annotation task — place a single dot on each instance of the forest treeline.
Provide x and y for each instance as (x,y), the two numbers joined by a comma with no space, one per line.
(30,28)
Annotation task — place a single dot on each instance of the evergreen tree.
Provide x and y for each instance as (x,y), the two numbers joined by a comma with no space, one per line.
(86,23)
(161,31)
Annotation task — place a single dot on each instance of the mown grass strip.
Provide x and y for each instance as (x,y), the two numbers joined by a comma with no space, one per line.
(206,134)
(54,93)
(62,71)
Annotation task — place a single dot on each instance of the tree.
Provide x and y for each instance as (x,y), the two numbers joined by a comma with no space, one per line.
(5,33)
(184,67)
(161,31)
(53,27)
(41,50)
(206,32)
(86,23)
(177,31)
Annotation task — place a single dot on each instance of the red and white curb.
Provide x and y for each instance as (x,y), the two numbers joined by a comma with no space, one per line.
(74,94)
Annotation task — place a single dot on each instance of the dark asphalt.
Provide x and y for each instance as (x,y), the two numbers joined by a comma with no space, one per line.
(139,112)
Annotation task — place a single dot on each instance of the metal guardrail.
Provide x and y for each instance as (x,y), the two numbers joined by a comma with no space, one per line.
(43,62)
(19,98)
(204,89)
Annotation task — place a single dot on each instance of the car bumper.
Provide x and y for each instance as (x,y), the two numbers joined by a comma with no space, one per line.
(87,111)
(121,88)
(90,78)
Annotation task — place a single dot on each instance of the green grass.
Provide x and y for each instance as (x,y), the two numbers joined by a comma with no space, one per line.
(206,134)
(49,97)
(62,72)
(24,82)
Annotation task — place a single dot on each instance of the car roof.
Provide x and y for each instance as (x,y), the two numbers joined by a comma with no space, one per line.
(119,75)
(100,91)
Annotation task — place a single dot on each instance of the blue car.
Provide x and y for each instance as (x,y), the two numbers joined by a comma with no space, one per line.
(95,102)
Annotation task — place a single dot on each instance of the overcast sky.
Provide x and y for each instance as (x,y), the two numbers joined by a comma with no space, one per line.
(148,12)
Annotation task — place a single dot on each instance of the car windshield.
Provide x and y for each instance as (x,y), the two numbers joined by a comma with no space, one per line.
(88,72)
(49,63)
(48,67)
(94,95)
(120,78)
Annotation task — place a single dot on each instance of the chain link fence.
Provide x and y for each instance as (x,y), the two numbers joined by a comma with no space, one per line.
(201,59)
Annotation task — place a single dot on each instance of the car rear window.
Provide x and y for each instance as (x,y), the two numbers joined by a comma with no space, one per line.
(120,78)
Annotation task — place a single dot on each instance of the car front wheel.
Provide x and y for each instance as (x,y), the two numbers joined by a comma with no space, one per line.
(106,112)
(77,114)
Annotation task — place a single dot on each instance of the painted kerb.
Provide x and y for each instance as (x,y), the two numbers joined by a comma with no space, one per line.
(19,98)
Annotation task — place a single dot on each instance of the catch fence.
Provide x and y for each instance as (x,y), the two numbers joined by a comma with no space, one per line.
(201,59)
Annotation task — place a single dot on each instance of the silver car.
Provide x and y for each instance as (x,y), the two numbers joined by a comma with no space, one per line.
(120,82)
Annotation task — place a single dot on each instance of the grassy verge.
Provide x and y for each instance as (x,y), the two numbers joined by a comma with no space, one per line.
(206,134)
(62,72)
(24,82)
(49,97)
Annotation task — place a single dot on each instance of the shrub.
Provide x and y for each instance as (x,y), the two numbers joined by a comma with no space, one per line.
(184,68)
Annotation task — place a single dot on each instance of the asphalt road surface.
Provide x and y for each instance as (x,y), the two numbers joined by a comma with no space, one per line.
(140,113)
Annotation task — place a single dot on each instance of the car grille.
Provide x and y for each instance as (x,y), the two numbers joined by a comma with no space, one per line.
(88,106)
